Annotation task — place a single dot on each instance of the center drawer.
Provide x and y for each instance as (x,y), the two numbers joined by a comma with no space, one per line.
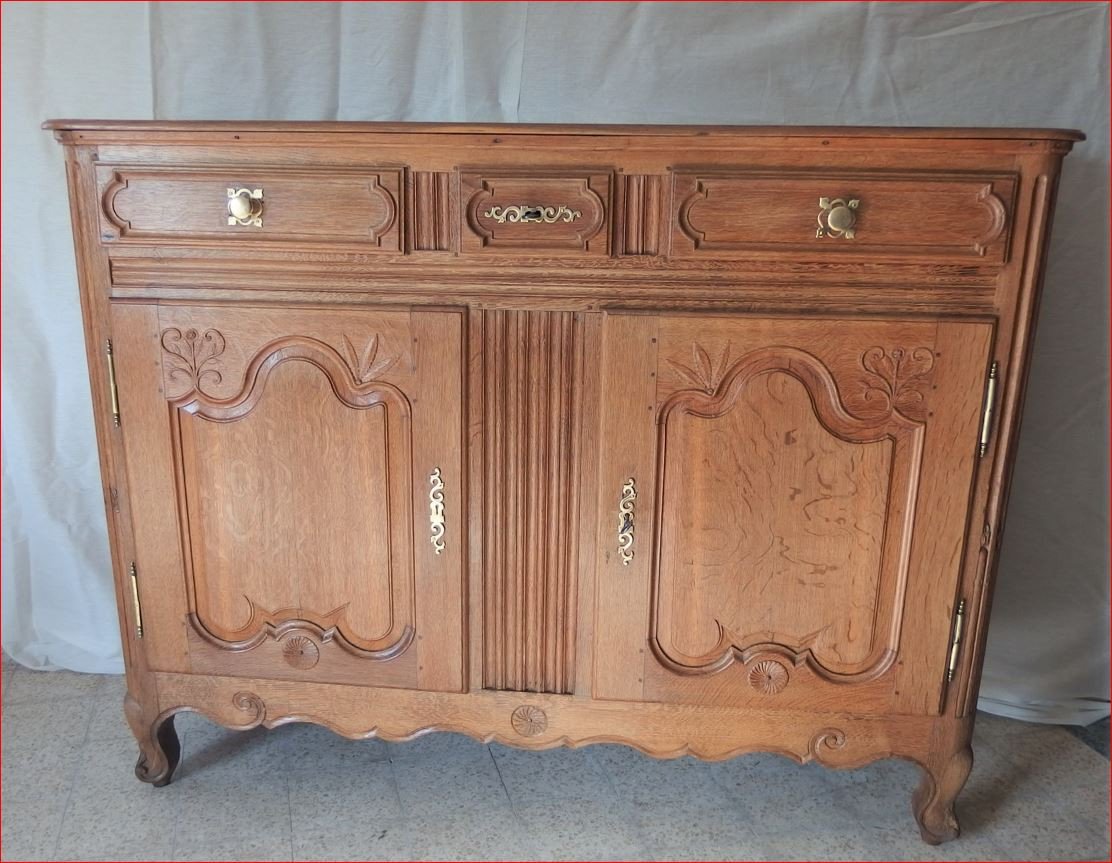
(353,208)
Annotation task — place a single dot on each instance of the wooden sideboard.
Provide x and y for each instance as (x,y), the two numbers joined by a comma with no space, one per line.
(692,438)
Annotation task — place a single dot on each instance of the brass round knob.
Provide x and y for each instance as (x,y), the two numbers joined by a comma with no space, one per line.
(841,218)
(837,217)
(245,207)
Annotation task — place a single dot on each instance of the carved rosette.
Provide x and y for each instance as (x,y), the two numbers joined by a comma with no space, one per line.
(529,720)
(300,652)
(768,676)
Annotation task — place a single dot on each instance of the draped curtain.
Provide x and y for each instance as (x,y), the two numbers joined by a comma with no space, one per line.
(980,64)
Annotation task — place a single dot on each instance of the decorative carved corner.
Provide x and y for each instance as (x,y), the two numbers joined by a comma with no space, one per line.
(379,231)
(703,373)
(365,365)
(998,219)
(529,720)
(696,236)
(193,356)
(895,382)
(113,225)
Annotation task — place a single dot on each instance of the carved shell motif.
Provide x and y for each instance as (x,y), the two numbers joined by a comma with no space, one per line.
(300,652)
(529,720)
(768,676)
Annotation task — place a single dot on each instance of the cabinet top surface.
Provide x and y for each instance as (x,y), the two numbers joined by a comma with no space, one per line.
(899,132)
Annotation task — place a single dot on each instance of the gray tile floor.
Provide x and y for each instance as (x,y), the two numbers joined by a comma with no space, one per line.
(301,793)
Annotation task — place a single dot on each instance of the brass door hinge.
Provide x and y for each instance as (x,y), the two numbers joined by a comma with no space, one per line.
(134,575)
(112,392)
(987,411)
(955,641)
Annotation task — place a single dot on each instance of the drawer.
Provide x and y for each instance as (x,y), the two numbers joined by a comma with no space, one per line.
(541,212)
(920,214)
(356,208)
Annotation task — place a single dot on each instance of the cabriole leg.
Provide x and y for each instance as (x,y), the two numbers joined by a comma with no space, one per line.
(159,747)
(933,801)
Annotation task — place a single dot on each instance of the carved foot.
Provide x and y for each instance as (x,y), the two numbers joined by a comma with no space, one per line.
(159,747)
(933,801)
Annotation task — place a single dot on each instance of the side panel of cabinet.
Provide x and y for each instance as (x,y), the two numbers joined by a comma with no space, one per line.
(785,507)
(282,466)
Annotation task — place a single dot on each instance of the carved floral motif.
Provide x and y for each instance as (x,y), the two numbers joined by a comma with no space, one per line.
(896,377)
(703,373)
(192,354)
(529,720)
(768,676)
(364,366)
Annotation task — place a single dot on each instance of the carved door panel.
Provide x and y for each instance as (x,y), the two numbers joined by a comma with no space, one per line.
(785,506)
(294,481)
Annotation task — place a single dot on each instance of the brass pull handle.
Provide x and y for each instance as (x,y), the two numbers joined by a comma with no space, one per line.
(245,207)
(532,213)
(625,521)
(837,217)
(436,510)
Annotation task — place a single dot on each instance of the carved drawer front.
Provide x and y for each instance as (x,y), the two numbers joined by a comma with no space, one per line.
(953,216)
(354,208)
(541,212)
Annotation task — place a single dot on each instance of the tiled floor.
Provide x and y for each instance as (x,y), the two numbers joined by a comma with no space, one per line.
(301,793)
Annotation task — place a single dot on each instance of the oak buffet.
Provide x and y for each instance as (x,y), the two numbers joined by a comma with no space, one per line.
(696,439)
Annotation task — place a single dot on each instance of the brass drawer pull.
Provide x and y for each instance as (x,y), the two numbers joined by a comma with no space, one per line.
(625,521)
(245,207)
(837,217)
(436,510)
(525,213)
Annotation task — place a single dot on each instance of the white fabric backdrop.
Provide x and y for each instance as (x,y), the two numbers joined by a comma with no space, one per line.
(888,64)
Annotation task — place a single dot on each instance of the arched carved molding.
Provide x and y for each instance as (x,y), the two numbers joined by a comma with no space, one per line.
(809,371)
(344,379)
(114,225)
(380,229)
(701,193)
(998,219)
(321,629)
(906,436)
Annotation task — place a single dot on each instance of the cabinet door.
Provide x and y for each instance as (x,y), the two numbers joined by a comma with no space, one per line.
(784,507)
(295,490)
